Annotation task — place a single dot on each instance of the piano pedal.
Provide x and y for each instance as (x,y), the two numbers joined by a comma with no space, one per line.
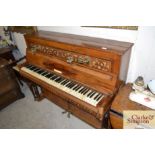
(64,112)
(68,113)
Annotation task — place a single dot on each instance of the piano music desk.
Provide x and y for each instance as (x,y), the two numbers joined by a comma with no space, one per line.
(121,103)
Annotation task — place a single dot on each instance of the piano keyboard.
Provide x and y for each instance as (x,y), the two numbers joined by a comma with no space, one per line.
(71,87)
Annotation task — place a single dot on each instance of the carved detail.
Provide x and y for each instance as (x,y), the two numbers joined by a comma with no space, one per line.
(70,57)
(100,64)
(84,108)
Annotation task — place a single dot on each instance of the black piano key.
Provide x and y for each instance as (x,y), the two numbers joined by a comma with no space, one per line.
(78,88)
(99,97)
(72,85)
(43,74)
(92,94)
(60,80)
(36,68)
(54,77)
(32,68)
(40,71)
(49,75)
(63,82)
(66,81)
(57,79)
(83,89)
(85,92)
(28,66)
(95,95)
(68,84)
(75,87)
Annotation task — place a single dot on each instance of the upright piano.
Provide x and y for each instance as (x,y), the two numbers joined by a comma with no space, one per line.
(78,73)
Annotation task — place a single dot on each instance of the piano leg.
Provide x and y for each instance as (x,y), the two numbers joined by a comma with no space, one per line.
(38,96)
(106,120)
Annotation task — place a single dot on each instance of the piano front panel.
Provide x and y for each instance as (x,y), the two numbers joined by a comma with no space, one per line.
(73,57)
(107,60)
(99,81)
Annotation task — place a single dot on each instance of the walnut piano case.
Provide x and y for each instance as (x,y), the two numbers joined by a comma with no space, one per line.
(93,64)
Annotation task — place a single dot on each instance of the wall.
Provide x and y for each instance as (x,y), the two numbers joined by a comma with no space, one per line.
(143,57)
(20,42)
(143,52)
(121,35)
(115,34)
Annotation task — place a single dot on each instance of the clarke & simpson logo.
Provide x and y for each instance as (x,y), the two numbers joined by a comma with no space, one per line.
(139,119)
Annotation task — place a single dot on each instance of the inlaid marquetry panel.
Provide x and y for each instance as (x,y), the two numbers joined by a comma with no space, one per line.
(73,57)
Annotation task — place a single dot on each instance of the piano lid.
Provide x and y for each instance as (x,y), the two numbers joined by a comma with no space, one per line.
(84,41)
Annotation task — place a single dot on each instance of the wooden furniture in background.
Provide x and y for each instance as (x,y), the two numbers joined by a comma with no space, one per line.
(9,87)
(23,29)
(96,64)
(6,53)
(121,103)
